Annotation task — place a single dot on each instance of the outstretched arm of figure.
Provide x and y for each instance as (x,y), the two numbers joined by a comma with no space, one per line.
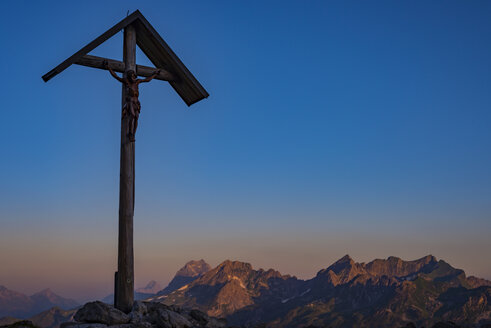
(150,78)
(106,65)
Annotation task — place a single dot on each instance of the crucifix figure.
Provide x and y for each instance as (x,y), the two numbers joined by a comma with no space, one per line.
(168,67)
(132,105)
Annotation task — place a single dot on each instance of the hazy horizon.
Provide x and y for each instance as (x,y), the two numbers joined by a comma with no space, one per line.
(98,289)
(332,128)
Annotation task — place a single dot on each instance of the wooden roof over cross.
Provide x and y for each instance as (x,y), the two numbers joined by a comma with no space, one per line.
(153,46)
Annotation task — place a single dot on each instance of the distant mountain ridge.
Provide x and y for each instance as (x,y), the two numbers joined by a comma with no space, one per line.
(151,288)
(51,318)
(48,310)
(19,305)
(382,293)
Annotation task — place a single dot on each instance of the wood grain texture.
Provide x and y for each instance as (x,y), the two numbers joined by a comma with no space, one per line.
(155,48)
(91,46)
(125,283)
(118,66)
(161,55)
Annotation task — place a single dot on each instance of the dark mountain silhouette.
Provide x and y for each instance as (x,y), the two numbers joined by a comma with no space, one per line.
(51,318)
(4,321)
(46,299)
(13,303)
(381,293)
(19,305)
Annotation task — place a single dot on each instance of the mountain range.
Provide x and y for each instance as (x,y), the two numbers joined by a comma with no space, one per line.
(48,310)
(382,293)
(51,318)
(19,305)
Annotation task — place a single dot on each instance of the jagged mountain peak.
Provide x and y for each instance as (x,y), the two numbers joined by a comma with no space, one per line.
(342,271)
(228,265)
(225,272)
(231,286)
(20,305)
(191,271)
(193,268)
(236,270)
(47,294)
(391,290)
(346,269)
(47,298)
(396,267)
(345,259)
(442,271)
(428,258)
(343,263)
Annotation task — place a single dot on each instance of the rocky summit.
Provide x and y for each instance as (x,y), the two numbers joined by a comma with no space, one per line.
(143,315)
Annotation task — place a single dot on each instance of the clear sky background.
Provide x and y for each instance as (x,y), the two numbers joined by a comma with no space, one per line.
(331,128)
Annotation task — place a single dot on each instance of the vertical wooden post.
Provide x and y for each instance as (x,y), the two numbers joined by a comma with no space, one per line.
(125,275)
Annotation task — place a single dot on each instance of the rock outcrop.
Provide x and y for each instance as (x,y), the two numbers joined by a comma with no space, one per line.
(143,315)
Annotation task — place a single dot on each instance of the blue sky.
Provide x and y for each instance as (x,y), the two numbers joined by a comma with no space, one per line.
(331,128)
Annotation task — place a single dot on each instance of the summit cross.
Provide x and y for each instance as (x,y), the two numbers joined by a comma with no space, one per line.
(168,67)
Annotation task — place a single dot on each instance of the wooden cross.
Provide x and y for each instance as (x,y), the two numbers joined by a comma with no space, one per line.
(137,31)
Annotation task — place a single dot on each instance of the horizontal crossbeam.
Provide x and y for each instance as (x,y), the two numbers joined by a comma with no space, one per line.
(118,66)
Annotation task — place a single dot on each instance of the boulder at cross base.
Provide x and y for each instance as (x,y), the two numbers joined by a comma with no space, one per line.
(143,315)
(99,312)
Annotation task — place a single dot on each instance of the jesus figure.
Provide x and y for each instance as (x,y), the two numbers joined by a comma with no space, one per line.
(132,104)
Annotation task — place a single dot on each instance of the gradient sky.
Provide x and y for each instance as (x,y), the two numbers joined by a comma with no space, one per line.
(331,128)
